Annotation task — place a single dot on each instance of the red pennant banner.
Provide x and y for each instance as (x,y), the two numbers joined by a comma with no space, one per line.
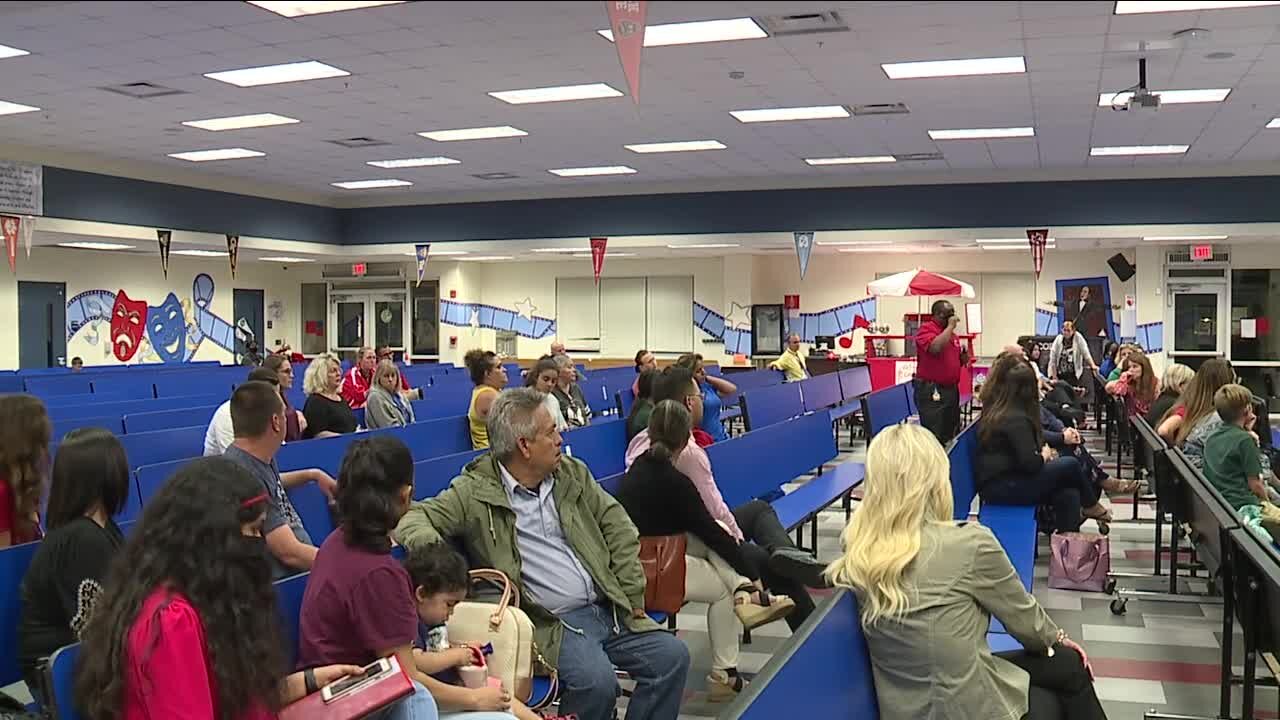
(626,20)
(11,226)
(597,256)
(1038,239)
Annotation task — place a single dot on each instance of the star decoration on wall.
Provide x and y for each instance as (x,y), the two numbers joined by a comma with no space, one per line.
(739,316)
(525,308)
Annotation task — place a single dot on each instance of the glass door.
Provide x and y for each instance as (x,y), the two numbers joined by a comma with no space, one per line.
(375,319)
(1196,323)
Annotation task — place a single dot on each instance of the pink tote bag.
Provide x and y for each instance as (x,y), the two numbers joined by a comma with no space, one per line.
(1080,561)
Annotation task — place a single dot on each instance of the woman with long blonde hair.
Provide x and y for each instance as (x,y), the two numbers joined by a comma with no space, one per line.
(926,589)
(325,411)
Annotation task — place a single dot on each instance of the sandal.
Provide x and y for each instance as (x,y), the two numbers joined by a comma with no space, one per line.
(762,609)
(1116,486)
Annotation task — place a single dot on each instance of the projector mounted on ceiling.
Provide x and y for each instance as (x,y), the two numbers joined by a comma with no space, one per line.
(1140,98)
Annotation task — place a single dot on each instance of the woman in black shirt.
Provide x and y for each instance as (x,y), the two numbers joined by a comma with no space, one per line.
(661,500)
(326,412)
(1015,466)
(90,485)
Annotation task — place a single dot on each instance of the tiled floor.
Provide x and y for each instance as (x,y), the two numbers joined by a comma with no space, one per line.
(1161,656)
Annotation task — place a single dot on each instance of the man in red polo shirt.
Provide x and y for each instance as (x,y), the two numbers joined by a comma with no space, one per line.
(937,381)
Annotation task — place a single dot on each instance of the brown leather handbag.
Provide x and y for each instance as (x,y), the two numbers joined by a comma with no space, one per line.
(662,557)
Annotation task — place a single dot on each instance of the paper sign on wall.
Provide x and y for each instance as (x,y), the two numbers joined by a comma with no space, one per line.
(1129,317)
(1248,328)
(973,318)
(21,188)
(904,371)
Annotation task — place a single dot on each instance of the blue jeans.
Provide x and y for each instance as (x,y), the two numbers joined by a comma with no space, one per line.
(594,644)
(421,706)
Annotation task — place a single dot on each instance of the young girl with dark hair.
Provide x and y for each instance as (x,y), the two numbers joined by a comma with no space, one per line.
(542,377)
(359,604)
(24,460)
(90,484)
(186,627)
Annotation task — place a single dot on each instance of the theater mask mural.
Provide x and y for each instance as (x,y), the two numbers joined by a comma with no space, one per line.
(110,326)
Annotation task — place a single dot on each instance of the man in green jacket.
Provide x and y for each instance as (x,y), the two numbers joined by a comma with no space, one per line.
(573,552)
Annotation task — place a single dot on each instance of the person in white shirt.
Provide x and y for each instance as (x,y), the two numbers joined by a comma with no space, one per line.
(220,434)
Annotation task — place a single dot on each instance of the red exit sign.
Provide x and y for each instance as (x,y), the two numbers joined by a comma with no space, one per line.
(359,269)
(1201,252)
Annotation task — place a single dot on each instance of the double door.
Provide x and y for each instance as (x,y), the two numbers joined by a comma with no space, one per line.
(1197,322)
(373,319)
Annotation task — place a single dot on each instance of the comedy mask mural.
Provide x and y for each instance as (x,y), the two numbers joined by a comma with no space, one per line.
(105,325)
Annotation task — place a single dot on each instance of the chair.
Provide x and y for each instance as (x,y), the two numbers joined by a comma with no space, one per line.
(766,405)
(289,594)
(601,445)
(62,682)
(885,407)
(14,562)
(312,507)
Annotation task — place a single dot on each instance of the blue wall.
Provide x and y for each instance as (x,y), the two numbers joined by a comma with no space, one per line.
(79,195)
(87,196)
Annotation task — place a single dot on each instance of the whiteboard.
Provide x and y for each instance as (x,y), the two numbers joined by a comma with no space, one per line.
(578,313)
(622,316)
(670,315)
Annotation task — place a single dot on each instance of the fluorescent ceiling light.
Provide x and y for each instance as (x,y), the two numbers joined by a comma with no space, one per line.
(818,112)
(298,9)
(13,108)
(561,250)
(284,259)
(487,257)
(8,52)
(608,254)
(1184,238)
(1275,123)
(218,154)
(854,242)
(1133,7)
(1008,241)
(854,160)
(480,133)
(590,171)
(703,246)
(702,31)
(200,253)
(95,246)
(684,146)
(1169,97)
(273,74)
(1111,150)
(240,122)
(369,184)
(982,133)
(414,162)
(561,93)
(955,68)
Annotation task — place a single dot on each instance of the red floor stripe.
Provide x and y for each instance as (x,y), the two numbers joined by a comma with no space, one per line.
(1160,670)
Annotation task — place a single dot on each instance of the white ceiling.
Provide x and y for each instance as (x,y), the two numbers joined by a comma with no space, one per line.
(428,65)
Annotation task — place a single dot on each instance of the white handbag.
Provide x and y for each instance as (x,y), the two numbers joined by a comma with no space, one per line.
(508,630)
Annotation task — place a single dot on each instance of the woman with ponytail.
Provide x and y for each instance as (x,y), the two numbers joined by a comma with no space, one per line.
(927,588)
(661,500)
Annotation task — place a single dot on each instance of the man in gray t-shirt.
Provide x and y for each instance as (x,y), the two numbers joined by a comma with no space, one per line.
(257,417)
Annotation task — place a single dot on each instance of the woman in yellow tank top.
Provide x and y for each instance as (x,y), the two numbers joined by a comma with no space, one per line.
(490,378)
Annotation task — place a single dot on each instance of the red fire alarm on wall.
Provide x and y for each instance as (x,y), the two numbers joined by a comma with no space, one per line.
(453,342)
(453,294)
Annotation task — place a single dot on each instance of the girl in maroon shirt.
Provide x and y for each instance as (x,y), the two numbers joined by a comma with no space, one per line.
(187,627)
(24,461)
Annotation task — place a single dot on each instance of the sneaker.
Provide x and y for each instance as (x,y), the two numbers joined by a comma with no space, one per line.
(723,687)
(798,565)
(752,615)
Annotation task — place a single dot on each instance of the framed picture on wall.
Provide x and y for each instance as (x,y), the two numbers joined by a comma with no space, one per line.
(1086,302)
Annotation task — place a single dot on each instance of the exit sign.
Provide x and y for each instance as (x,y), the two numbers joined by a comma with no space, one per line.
(359,269)
(1201,252)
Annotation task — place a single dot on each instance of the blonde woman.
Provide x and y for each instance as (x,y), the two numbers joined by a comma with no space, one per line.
(385,406)
(1174,381)
(326,412)
(926,589)
(661,500)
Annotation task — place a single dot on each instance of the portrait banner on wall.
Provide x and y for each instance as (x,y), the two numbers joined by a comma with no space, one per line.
(804,245)
(233,250)
(1086,302)
(420,253)
(165,238)
(626,21)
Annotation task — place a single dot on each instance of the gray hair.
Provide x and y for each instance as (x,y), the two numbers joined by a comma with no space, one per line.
(562,361)
(511,419)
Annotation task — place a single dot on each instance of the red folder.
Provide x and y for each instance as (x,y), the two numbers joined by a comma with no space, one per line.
(382,684)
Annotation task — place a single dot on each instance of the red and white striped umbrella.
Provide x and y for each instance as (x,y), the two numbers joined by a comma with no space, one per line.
(919,282)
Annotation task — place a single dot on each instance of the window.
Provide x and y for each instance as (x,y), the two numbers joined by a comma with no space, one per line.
(426,318)
(1255,307)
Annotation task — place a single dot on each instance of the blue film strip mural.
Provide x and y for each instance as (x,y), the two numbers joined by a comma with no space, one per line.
(489,317)
(712,323)
(1151,337)
(835,321)
(1047,322)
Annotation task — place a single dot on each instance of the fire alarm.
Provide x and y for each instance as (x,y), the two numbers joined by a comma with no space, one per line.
(453,341)
(453,294)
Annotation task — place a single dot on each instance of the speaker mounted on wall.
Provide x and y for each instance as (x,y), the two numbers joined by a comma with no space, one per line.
(1121,266)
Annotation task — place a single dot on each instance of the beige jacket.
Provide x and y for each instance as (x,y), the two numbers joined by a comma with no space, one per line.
(934,663)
